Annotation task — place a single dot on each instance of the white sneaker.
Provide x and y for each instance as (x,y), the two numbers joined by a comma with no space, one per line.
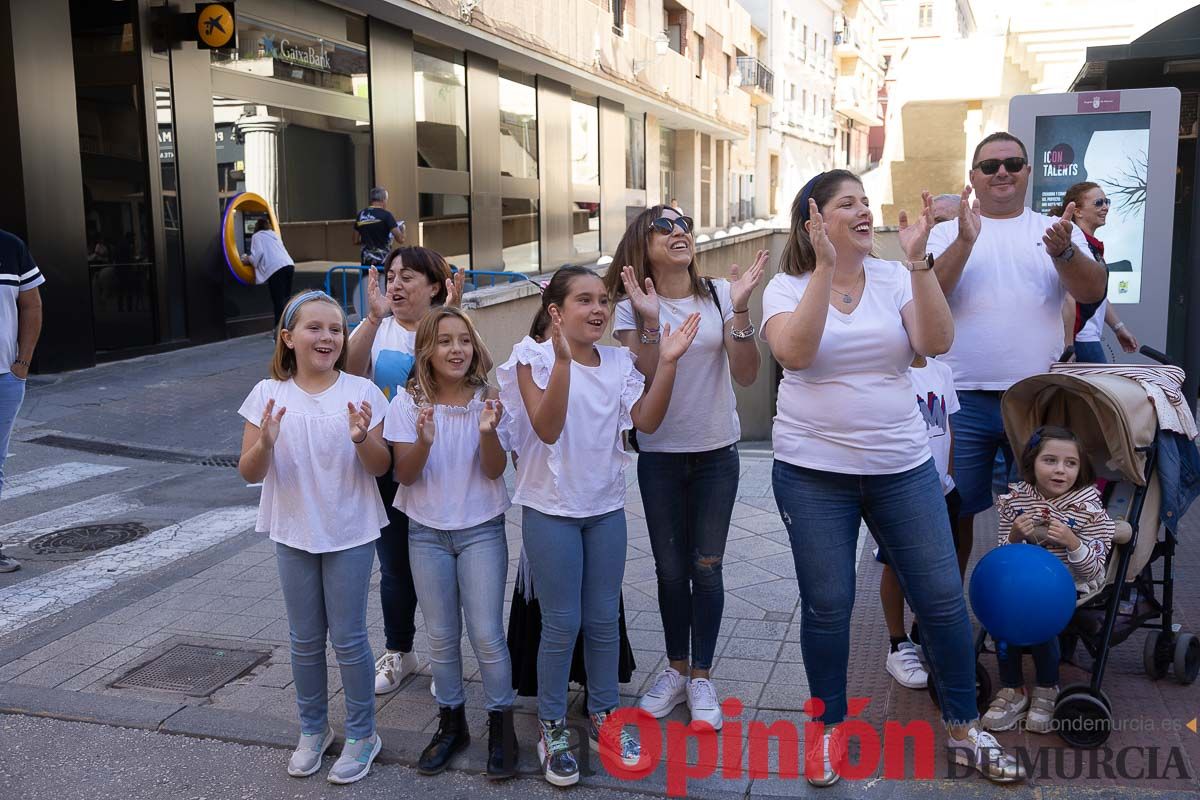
(830,750)
(703,703)
(904,664)
(668,691)
(391,669)
(981,751)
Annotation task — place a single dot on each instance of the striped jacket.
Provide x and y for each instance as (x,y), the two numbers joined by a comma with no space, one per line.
(1082,511)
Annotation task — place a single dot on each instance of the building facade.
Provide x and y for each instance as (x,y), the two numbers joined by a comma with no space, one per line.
(516,136)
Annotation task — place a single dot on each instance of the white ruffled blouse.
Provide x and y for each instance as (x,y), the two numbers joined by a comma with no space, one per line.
(452,493)
(583,473)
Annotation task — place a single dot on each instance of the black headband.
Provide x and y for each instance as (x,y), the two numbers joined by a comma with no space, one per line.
(806,193)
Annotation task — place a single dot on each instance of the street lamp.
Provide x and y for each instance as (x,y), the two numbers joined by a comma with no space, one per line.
(661,45)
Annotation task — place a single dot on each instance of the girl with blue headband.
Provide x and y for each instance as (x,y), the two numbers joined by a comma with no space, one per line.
(314,438)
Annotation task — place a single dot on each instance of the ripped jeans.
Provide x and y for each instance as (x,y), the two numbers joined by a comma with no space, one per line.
(688,498)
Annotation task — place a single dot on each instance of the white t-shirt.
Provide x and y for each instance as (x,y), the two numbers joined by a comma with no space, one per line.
(1094,327)
(852,410)
(702,414)
(452,493)
(936,401)
(317,496)
(18,273)
(1007,305)
(583,473)
(392,356)
(268,255)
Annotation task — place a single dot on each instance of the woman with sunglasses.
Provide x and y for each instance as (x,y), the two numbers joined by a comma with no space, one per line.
(1085,321)
(688,469)
(851,444)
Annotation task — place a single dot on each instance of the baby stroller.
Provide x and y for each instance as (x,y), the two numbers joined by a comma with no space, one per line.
(1109,408)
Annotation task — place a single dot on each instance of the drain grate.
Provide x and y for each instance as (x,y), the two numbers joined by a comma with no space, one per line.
(194,670)
(88,538)
(105,448)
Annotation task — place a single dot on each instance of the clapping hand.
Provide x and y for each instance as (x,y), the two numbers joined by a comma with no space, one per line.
(914,237)
(378,305)
(674,345)
(269,424)
(823,250)
(1058,236)
(1022,528)
(454,288)
(489,416)
(360,421)
(562,348)
(741,286)
(426,427)
(644,302)
(970,218)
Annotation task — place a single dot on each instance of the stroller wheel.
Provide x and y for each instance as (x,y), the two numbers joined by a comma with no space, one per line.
(1083,688)
(1156,655)
(1082,720)
(1187,658)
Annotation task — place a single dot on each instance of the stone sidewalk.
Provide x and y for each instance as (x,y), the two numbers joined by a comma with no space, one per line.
(229,596)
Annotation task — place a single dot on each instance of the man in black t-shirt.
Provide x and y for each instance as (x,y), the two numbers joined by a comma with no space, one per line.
(376,230)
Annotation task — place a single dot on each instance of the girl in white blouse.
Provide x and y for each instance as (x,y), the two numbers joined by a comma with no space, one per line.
(313,436)
(449,462)
(569,399)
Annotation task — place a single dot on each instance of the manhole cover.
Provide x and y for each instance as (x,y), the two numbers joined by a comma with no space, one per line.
(193,670)
(220,461)
(88,538)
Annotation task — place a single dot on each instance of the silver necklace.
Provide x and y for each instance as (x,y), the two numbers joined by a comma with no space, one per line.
(848,296)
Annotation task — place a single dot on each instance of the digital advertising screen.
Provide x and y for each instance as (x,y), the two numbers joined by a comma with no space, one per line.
(1112,150)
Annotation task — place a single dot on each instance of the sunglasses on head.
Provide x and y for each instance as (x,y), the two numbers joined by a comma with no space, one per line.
(991,166)
(665,225)
(1102,202)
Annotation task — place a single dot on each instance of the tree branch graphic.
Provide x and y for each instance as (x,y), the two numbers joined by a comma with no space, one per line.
(1128,187)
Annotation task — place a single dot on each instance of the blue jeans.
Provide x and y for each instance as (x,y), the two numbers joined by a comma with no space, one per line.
(457,573)
(978,435)
(577,565)
(1045,663)
(326,593)
(12,392)
(689,499)
(906,513)
(397,595)
(1090,353)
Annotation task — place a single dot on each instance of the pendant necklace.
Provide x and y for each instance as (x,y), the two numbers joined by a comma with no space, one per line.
(848,296)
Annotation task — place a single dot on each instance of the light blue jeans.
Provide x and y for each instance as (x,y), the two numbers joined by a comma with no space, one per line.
(577,566)
(326,594)
(457,573)
(12,392)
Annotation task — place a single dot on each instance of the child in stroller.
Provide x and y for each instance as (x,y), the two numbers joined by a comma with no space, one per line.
(1057,506)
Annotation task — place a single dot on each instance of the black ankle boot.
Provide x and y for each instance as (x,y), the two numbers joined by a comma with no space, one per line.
(502,745)
(452,735)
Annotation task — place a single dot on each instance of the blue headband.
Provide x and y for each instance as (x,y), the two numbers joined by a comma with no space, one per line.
(806,193)
(301,299)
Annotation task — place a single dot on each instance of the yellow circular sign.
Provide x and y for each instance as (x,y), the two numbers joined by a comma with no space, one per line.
(214,25)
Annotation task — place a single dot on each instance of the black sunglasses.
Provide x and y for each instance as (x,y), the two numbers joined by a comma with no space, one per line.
(1102,202)
(991,166)
(665,225)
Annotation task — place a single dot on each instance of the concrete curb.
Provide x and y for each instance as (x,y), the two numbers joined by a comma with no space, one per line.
(404,747)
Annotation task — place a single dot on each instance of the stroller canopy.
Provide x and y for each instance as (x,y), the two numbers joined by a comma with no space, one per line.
(1111,415)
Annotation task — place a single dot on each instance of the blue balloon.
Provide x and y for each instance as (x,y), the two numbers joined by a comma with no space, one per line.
(1022,594)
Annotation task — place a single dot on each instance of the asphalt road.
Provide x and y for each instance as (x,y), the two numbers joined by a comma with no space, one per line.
(45,759)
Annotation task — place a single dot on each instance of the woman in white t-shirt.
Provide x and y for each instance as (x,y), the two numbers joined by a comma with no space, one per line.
(272,265)
(850,444)
(688,469)
(449,461)
(313,436)
(567,401)
(382,349)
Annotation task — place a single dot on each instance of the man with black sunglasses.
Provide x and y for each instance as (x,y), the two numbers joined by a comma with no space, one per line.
(1005,270)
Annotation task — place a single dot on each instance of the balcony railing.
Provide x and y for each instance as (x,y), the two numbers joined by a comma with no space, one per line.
(755,75)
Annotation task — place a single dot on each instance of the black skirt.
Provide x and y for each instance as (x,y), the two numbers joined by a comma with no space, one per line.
(525,636)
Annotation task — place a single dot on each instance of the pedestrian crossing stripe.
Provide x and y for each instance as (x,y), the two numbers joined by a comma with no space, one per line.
(53,477)
(94,509)
(39,597)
